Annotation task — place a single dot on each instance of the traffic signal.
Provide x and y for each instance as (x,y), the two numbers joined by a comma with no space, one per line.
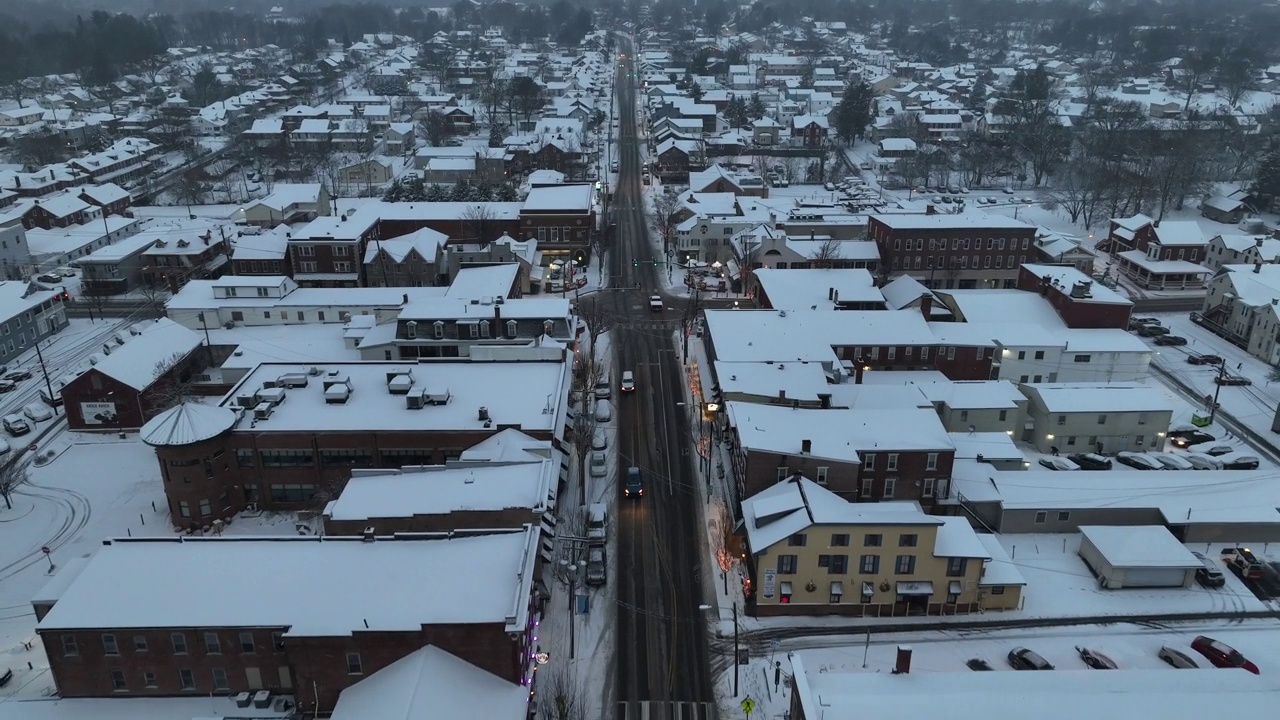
(635,263)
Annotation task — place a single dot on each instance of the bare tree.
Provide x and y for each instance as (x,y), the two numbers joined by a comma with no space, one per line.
(584,429)
(154,295)
(665,221)
(725,543)
(13,475)
(826,254)
(1078,191)
(559,697)
(172,388)
(476,221)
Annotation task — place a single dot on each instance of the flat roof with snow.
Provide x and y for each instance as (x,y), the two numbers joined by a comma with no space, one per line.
(1139,546)
(1099,397)
(818,289)
(443,489)
(960,221)
(393,585)
(838,693)
(573,198)
(529,395)
(838,433)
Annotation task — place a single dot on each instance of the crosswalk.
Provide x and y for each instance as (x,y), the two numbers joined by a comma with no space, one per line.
(664,710)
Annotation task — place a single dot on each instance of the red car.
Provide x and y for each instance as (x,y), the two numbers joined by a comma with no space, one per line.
(1222,655)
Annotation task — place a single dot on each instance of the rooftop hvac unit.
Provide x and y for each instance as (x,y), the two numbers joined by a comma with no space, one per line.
(262,411)
(229,324)
(437,395)
(337,394)
(416,399)
(274,395)
(400,384)
(134,330)
(314,371)
(118,338)
(334,377)
(292,380)
(246,401)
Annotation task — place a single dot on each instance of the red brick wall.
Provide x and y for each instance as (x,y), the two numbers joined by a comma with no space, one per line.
(457,520)
(845,479)
(906,252)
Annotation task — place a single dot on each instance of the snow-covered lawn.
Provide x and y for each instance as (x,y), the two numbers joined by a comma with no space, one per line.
(97,487)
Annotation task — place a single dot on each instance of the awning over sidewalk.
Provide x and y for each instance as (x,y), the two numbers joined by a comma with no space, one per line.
(915,587)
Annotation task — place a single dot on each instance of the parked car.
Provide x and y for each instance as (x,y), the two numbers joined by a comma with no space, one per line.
(1177,658)
(1200,461)
(1187,438)
(49,278)
(1138,461)
(1096,660)
(1208,574)
(1171,340)
(1171,461)
(599,439)
(829,186)
(603,390)
(599,464)
(37,411)
(978,664)
(4,447)
(1232,380)
(15,424)
(1204,359)
(1221,654)
(1021,658)
(1152,330)
(1217,450)
(1243,462)
(1059,463)
(17,375)
(596,571)
(597,523)
(1091,461)
(7,386)
(1243,559)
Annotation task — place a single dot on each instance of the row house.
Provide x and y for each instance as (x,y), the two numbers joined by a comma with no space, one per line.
(329,251)
(282,627)
(862,455)
(1241,250)
(60,211)
(174,261)
(811,130)
(111,198)
(450,328)
(261,253)
(953,251)
(405,261)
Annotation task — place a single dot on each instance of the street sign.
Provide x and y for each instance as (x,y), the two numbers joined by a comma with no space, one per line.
(748,705)
(45,550)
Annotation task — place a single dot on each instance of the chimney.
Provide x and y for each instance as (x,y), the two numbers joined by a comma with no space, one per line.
(824,400)
(368,534)
(497,318)
(1257,267)
(404,299)
(831,293)
(1257,242)
(858,369)
(1045,284)
(926,305)
(835,296)
(806,446)
(811,234)
(782,395)
(903,664)
(929,209)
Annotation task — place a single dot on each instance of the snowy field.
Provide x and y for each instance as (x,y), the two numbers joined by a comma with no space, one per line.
(70,506)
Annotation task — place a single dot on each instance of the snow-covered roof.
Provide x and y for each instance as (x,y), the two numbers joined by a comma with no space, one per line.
(948,221)
(528,395)
(425,240)
(813,288)
(788,507)
(186,424)
(898,145)
(1084,397)
(837,433)
(1066,277)
(574,198)
(143,357)
(284,195)
(167,583)
(432,683)
(974,394)
(105,194)
(902,291)
(799,380)
(840,693)
(444,489)
(1180,232)
(1139,546)
(956,538)
(135,708)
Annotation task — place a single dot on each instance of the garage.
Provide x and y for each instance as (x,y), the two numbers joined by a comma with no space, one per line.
(1133,556)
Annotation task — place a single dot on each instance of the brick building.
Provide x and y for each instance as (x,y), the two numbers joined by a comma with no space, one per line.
(177,259)
(219,616)
(506,481)
(1079,301)
(113,199)
(868,455)
(968,250)
(1158,255)
(59,211)
(288,436)
(137,381)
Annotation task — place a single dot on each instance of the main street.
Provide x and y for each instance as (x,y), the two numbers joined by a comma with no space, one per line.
(661,662)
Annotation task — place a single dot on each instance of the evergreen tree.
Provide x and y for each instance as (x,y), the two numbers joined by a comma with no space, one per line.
(757,109)
(978,97)
(1266,186)
(851,116)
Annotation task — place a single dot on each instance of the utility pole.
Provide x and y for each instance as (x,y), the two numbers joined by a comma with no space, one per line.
(48,386)
(1222,373)
(735,648)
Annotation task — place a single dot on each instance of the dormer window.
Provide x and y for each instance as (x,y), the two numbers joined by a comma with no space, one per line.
(511,328)
(439,328)
(411,329)
(547,326)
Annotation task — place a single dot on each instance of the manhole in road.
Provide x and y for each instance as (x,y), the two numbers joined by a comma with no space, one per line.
(635,307)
